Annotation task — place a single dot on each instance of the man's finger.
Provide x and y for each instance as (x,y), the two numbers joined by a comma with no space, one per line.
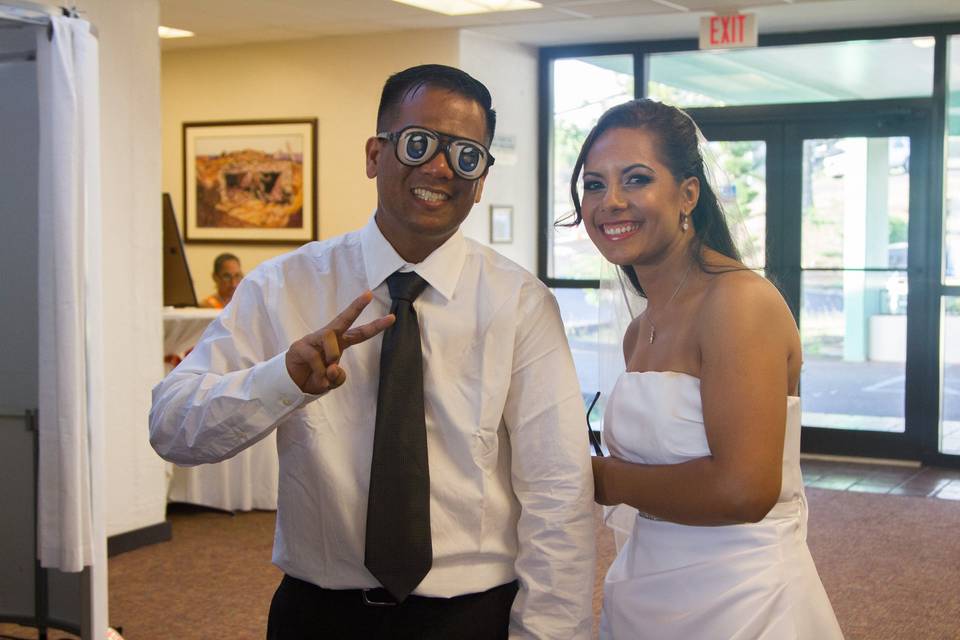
(348,316)
(336,376)
(312,358)
(364,332)
(331,347)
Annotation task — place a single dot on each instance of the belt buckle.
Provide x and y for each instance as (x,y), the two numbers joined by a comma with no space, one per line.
(376,603)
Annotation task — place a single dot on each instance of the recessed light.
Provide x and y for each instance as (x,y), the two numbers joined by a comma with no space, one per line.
(170,32)
(467,7)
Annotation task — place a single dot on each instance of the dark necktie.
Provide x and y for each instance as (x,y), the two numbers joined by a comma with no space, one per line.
(399,551)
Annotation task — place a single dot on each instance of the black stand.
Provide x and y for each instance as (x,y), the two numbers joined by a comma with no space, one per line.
(40,620)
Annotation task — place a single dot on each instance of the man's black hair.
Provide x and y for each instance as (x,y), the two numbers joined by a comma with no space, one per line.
(407,82)
(220,259)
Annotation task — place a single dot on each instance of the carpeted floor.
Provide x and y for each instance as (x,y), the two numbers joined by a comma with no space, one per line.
(890,564)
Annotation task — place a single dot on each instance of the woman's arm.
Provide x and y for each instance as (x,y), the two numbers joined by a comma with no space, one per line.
(745,336)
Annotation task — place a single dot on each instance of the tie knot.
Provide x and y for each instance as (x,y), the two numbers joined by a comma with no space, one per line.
(406,286)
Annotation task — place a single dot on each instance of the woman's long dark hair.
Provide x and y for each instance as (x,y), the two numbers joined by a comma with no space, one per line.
(676,135)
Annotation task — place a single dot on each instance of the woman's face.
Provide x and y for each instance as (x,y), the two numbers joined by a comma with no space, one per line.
(632,203)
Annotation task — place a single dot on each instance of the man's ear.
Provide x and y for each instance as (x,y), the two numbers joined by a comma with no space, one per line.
(478,189)
(373,156)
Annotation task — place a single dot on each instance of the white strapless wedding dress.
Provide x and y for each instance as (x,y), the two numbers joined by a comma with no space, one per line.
(673,581)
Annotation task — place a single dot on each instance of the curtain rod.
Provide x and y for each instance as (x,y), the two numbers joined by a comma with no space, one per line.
(21,10)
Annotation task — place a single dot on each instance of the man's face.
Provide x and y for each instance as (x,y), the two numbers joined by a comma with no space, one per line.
(418,208)
(227,279)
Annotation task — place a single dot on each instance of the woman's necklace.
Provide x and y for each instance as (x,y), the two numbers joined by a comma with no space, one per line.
(646,312)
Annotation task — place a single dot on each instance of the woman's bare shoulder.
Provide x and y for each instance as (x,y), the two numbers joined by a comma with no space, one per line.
(744,321)
(743,300)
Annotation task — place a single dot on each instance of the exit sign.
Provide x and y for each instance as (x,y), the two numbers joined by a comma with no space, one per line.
(728,31)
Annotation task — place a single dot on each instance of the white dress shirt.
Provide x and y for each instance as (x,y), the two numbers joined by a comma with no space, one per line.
(511,489)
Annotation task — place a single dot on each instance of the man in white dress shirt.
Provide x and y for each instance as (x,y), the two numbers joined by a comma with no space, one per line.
(510,487)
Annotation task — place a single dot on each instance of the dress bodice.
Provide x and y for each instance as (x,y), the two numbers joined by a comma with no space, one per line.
(656,417)
(671,581)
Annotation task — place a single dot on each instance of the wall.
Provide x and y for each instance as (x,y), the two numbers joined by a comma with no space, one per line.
(130,169)
(513,179)
(337,80)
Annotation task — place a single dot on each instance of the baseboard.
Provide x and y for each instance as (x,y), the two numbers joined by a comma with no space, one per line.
(880,461)
(123,542)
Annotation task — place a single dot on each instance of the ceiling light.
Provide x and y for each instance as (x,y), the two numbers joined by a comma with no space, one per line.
(170,32)
(925,43)
(467,7)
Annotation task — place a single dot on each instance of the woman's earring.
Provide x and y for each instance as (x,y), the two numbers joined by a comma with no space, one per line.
(684,222)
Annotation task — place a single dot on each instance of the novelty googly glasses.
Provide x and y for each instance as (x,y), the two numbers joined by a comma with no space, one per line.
(416,146)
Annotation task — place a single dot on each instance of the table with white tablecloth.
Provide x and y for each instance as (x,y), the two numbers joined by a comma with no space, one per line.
(244,482)
(183,327)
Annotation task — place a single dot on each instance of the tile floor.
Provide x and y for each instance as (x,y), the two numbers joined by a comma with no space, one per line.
(841,475)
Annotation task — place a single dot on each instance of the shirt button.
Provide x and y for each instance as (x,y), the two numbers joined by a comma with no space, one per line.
(286,401)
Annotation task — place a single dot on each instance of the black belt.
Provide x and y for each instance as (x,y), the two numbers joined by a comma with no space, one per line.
(378,597)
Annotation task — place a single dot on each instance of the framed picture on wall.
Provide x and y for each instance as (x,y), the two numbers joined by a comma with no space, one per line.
(250,181)
(501,224)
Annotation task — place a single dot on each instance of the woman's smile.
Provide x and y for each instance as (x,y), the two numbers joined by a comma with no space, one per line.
(620,230)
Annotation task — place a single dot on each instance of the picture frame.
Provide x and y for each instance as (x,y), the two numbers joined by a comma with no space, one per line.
(501,224)
(250,181)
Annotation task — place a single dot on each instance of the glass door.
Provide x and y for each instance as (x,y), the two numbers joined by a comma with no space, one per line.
(749,184)
(946,441)
(742,190)
(857,207)
(829,208)
(854,287)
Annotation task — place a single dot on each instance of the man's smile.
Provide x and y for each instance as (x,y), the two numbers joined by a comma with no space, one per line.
(430,195)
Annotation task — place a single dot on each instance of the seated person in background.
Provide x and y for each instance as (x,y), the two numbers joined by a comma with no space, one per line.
(227,275)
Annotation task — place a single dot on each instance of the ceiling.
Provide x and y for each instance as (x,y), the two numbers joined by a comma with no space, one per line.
(227,22)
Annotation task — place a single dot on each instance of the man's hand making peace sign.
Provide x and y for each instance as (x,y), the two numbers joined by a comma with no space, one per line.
(313,361)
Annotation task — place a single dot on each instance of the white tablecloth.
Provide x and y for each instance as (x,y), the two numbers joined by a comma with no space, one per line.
(246,481)
(183,327)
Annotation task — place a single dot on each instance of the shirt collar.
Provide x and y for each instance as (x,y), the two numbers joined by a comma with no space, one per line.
(441,269)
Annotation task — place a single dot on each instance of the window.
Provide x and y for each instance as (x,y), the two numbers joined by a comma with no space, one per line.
(858,70)
(583,88)
(813,140)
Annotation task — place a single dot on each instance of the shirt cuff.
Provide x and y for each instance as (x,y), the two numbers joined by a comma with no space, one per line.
(277,389)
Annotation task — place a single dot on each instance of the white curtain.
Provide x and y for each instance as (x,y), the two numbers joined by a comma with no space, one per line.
(71,527)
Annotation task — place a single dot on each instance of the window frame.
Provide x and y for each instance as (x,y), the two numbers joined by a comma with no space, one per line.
(928,238)
(641,49)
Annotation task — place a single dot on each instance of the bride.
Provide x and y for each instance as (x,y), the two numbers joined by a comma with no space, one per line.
(704,426)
